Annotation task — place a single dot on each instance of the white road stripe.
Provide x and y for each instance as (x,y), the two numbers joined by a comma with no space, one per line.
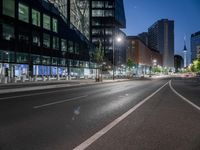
(185,99)
(58,102)
(100,133)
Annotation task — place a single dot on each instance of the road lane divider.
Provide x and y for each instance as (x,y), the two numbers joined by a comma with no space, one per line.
(182,97)
(58,102)
(103,131)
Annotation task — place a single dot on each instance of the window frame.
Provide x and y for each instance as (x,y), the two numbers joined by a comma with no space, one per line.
(45,16)
(38,20)
(26,17)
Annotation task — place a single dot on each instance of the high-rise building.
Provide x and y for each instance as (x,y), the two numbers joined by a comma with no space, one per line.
(195,45)
(38,40)
(107,17)
(161,38)
(144,37)
(76,12)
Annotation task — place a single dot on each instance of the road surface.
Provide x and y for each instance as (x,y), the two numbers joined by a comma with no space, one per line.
(137,115)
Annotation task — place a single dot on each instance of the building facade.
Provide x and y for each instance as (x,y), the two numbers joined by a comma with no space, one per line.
(144,57)
(144,37)
(37,40)
(161,38)
(178,62)
(195,45)
(107,17)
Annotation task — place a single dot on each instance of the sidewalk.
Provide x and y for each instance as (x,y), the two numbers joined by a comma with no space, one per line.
(41,85)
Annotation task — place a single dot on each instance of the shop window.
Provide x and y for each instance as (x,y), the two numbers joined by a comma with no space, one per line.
(46,22)
(70,47)
(63,45)
(36,39)
(55,25)
(56,43)
(23,13)
(8,32)
(9,8)
(46,40)
(35,17)
(22,58)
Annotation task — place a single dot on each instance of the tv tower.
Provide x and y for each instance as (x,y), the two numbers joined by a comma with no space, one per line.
(185,52)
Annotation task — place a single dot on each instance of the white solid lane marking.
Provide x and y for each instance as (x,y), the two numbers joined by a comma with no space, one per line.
(100,133)
(58,102)
(185,99)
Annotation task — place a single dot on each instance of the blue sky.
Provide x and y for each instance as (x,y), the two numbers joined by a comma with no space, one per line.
(141,14)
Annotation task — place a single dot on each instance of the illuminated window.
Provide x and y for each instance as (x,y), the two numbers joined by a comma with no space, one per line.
(63,45)
(36,38)
(70,47)
(35,17)
(55,25)
(8,32)
(46,40)
(9,8)
(56,43)
(46,22)
(23,13)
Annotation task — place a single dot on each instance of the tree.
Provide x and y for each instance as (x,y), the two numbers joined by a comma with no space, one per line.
(130,64)
(196,65)
(98,57)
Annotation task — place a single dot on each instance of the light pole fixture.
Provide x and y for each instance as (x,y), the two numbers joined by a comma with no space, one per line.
(118,39)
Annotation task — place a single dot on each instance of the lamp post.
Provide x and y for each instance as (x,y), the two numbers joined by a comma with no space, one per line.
(118,39)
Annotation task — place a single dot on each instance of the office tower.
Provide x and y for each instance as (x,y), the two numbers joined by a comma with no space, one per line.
(161,38)
(107,17)
(38,42)
(195,45)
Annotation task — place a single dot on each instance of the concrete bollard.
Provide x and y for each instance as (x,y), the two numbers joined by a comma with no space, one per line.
(58,77)
(5,80)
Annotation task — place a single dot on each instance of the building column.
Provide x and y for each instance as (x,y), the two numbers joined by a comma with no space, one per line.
(58,76)
(49,73)
(1,72)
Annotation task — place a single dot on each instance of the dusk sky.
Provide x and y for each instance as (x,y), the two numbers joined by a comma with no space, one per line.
(141,14)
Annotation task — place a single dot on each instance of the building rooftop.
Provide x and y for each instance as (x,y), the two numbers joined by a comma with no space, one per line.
(195,34)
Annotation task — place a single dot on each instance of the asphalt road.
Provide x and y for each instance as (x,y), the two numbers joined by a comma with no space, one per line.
(61,119)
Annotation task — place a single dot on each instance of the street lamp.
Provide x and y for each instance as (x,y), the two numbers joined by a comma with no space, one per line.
(118,39)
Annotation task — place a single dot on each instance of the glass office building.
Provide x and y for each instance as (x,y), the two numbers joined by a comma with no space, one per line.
(38,40)
(107,17)
(195,45)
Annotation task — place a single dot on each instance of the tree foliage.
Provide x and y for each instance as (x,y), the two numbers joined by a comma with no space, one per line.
(130,64)
(98,55)
(196,65)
